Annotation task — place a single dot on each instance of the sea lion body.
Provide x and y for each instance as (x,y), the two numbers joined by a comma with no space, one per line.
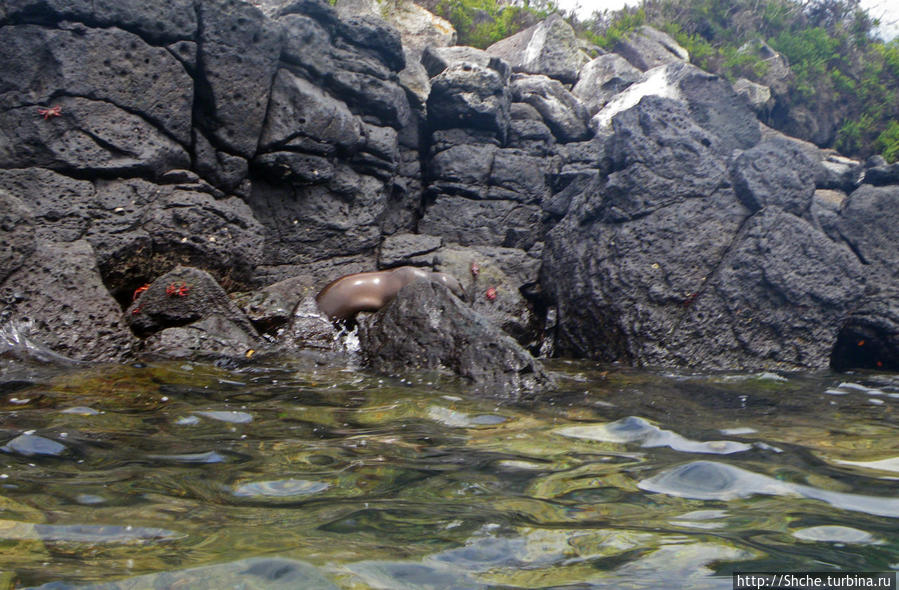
(343,298)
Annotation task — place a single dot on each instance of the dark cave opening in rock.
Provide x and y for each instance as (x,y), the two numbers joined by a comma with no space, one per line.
(862,345)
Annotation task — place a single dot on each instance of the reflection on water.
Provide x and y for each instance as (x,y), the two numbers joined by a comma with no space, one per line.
(304,475)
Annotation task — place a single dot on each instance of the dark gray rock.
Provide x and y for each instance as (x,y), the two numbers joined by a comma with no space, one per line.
(437,59)
(469,96)
(238,52)
(882,175)
(780,298)
(531,136)
(375,37)
(58,292)
(549,48)
(293,168)
(221,169)
(647,48)
(408,250)
(186,314)
(60,205)
(17,232)
(426,327)
(308,224)
(869,222)
(659,155)
(89,137)
(302,117)
(774,174)
(711,101)
(507,272)
(42,64)
(158,21)
(602,78)
(32,445)
(483,222)
(271,307)
(839,173)
(757,95)
(141,230)
(561,111)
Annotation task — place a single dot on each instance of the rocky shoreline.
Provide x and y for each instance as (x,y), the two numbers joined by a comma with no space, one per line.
(235,157)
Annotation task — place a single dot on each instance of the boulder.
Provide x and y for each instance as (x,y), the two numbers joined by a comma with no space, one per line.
(374,37)
(408,250)
(602,78)
(418,28)
(316,222)
(271,308)
(186,314)
(882,174)
(58,292)
(426,327)
(467,95)
(437,59)
(561,111)
(483,222)
(647,48)
(869,223)
(302,117)
(664,265)
(711,100)
(549,48)
(757,95)
(774,174)
(495,280)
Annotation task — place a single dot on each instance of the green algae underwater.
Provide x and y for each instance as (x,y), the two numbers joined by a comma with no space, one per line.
(300,475)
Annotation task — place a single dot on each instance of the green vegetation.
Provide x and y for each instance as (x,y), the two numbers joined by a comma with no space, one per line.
(837,63)
(480,23)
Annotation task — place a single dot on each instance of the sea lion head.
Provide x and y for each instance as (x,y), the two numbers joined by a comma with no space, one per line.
(451,283)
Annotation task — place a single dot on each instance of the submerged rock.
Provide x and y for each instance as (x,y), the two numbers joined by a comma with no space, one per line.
(426,327)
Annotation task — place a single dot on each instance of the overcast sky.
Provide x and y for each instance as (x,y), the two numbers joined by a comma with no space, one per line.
(885,10)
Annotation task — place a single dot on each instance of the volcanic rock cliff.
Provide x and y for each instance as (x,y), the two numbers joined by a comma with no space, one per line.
(626,208)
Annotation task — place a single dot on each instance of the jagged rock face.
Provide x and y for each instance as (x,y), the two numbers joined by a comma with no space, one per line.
(271,140)
(647,48)
(426,327)
(467,95)
(665,265)
(602,78)
(712,103)
(58,293)
(564,114)
(549,48)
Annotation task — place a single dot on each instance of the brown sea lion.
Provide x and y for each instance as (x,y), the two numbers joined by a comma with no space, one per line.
(343,298)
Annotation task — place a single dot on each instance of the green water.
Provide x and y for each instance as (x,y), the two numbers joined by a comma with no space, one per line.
(298,475)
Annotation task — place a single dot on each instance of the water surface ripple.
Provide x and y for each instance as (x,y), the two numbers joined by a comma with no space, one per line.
(299,475)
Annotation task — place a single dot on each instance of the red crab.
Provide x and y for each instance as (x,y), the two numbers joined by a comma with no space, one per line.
(50,112)
(176,290)
(138,291)
(490,294)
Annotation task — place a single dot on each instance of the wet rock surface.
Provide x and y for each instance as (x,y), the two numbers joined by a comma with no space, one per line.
(426,327)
